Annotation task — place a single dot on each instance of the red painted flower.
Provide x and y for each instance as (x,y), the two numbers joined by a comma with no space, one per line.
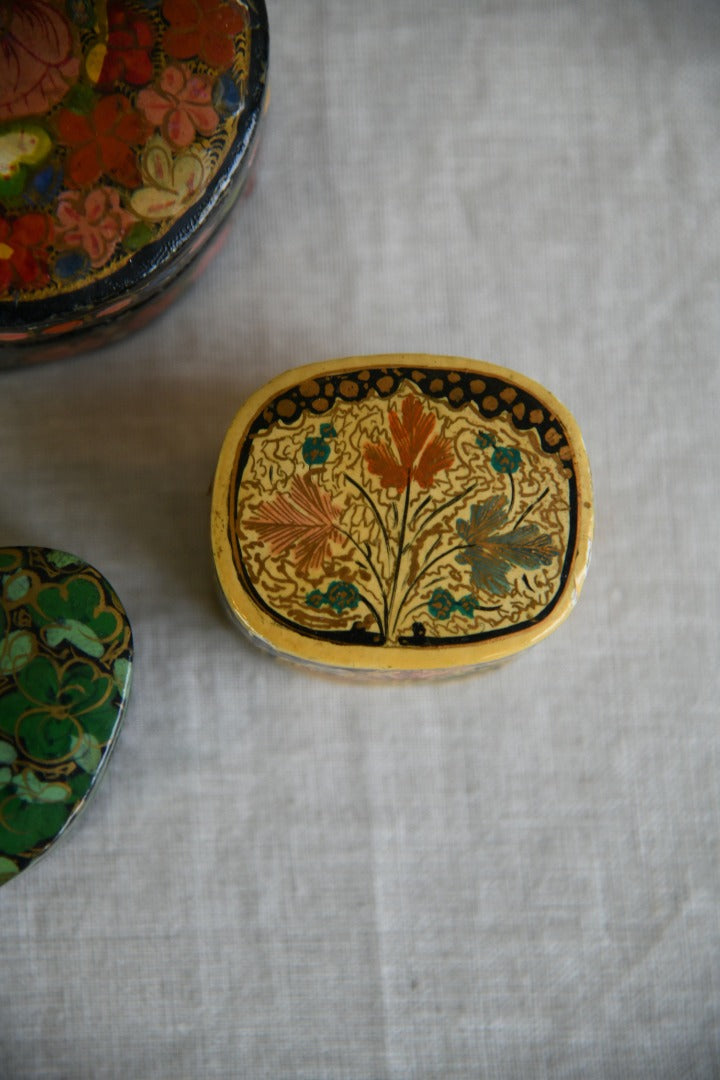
(130,41)
(203,28)
(24,247)
(421,456)
(95,222)
(37,57)
(182,105)
(103,142)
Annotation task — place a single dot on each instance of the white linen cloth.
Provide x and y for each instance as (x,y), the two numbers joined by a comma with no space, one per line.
(514,874)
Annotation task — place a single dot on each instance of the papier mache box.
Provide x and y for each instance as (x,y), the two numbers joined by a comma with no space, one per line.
(128,129)
(401,516)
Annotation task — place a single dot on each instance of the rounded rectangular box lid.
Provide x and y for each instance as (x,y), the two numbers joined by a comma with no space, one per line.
(402,514)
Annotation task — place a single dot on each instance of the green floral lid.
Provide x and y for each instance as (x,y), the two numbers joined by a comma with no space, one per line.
(65,674)
(127,128)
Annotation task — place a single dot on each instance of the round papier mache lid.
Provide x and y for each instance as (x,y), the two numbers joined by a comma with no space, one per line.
(65,673)
(401,515)
(127,129)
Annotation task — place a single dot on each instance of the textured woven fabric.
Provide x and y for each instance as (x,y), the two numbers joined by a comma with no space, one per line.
(514,874)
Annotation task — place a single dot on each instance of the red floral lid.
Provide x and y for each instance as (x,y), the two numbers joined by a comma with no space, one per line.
(126,128)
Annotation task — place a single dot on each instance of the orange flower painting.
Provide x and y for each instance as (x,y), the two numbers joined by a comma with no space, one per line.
(421,457)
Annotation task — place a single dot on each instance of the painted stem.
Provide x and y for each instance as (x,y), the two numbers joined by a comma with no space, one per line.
(532,506)
(421,573)
(400,552)
(419,510)
(371,503)
(364,600)
(445,506)
(383,624)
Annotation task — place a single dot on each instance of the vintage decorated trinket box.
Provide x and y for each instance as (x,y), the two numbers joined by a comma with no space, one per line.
(401,515)
(127,131)
(65,673)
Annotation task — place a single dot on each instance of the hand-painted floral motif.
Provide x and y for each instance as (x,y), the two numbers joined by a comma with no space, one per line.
(103,142)
(173,182)
(340,596)
(38,61)
(24,251)
(65,663)
(505,459)
(22,146)
(421,457)
(442,604)
(181,106)
(129,46)
(492,553)
(203,28)
(141,98)
(95,222)
(302,522)
(316,448)
(407,531)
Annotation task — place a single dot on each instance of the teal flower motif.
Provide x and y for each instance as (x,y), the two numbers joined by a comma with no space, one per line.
(505,459)
(484,440)
(340,596)
(442,604)
(315,451)
(467,605)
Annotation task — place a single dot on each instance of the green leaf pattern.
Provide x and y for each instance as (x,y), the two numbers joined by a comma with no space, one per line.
(65,666)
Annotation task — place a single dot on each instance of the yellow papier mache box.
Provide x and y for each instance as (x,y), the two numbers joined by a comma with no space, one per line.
(402,515)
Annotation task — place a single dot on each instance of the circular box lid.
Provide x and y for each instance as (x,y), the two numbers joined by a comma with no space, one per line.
(126,130)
